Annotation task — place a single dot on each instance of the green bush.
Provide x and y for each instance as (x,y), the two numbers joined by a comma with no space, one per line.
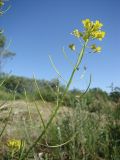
(5,95)
(115,96)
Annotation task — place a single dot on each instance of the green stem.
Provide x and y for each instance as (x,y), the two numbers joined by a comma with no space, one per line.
(58,105)
(76,67)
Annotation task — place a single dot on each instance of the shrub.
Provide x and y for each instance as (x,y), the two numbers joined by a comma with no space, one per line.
(115,96)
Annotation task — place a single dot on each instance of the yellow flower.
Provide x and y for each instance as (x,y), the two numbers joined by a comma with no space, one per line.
(87,23)
(93,46)
(77,33)
(98,35)
(72,47)
(15,144)
(96,49)
(97,25)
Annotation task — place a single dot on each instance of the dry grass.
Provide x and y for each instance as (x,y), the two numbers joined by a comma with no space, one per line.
(20,115)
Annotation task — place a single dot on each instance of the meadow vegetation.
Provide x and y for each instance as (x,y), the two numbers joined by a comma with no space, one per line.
(89,125)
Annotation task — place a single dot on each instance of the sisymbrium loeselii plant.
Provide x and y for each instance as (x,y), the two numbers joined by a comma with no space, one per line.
(91,31)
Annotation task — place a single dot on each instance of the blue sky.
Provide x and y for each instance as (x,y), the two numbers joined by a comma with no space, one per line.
(42,27)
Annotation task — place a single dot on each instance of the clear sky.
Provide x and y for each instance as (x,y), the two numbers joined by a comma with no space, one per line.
(38,28)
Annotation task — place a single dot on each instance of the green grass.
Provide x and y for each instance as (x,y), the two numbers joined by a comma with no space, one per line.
(97,133)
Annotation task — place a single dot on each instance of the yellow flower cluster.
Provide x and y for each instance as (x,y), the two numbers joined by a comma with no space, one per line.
(92,30)
(96,49)
(90,25)
(98,35)
(14,144)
